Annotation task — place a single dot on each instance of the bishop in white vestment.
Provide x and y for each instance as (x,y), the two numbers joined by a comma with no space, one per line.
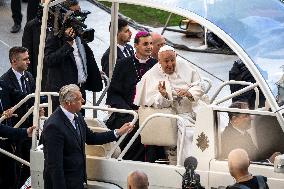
(172,82)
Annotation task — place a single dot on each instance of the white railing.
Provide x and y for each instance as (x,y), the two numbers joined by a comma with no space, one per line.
(209,82)
(141,127)
(24,100)
(27,114)
(132,112)
(243,90)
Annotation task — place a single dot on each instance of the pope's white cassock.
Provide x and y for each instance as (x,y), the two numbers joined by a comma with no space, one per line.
(184,77)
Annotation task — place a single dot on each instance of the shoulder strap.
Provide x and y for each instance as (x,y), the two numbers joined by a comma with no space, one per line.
(241,186)
(261,182)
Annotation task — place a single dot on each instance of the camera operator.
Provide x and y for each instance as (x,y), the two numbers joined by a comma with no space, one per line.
(190,179)
(30,40)
(70,60)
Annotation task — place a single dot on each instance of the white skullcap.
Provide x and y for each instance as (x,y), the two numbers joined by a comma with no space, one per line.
(166,48)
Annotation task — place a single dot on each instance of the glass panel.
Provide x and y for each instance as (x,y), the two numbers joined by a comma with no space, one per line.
(260,141)
(256,25)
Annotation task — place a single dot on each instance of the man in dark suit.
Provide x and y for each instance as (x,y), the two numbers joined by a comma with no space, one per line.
(16,15)
(236,135)
(123,48)
(69,60)
(30,40)
(32,9)
(7,171)
(16,84)
(8,177)
(127,73)
(64,136)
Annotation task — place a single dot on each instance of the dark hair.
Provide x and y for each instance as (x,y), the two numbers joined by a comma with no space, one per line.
(69,3)
(121,23)
(139,35)
(239,105)
(15,51)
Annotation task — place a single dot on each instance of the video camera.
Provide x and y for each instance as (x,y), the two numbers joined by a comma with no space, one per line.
(61,18)
(191,180)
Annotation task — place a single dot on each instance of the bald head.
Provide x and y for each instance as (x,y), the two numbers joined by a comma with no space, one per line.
(238,162)
(158,41)
(137,180)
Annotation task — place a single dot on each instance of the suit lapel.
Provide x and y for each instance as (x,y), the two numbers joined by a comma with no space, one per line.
(120,54)
(71,128)
(130,49)
(14,80)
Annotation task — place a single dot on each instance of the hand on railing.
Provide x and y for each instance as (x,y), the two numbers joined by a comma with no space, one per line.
(125,128)
(9,113)
(102,74)
(30,131)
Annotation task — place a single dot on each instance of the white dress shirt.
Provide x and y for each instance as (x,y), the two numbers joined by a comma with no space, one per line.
(18,76)
(82,77)
(70,116)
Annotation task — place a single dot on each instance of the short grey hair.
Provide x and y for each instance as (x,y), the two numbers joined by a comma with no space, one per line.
(66,93)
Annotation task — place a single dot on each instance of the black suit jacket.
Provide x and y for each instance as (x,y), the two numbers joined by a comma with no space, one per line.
(120,55)
(123,83)
(30,40)
(12,133)
(233,139)
(64,154)
(11,94)
(62,69)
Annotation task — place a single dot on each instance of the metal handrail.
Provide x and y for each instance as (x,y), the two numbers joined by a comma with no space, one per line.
(29,112)
(242,111)
(141,127)
(132,112)
(104,91)
(248,88)
(107,84)
(49,94)
(14,157)
(236,94)
(209,84)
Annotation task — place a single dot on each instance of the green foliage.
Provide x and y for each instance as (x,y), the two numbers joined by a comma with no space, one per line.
(145,15)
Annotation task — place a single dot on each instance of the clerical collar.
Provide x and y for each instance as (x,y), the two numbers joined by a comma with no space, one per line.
(18,74)
(142,61)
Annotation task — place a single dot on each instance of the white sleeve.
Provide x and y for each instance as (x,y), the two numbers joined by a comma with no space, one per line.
(196,90)
(161,102)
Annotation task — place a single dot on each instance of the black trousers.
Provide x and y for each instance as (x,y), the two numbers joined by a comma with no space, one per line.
(16,11)
(23,171)
(7,167)
(32,9)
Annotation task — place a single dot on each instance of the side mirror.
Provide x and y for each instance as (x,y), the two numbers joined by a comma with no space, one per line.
(279,164)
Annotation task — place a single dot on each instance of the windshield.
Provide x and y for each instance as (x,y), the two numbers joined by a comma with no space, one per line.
(256,25)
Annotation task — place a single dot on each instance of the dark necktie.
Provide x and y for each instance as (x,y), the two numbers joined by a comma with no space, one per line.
(77,127)
(126,53)
(23,83)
